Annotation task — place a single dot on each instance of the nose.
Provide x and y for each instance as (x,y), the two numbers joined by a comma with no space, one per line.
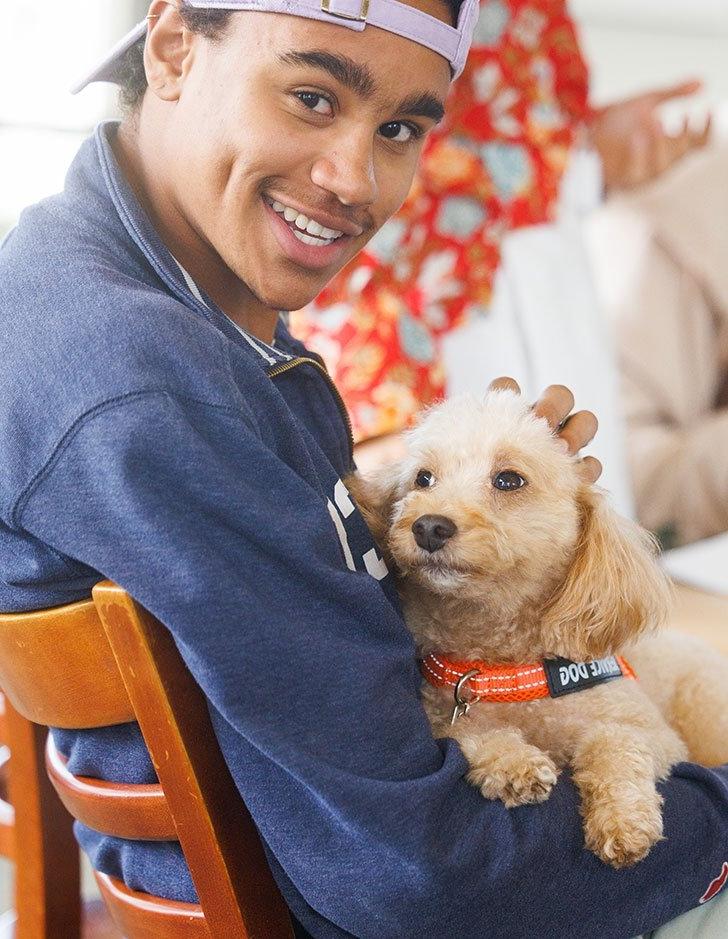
(432,531)
(347,171)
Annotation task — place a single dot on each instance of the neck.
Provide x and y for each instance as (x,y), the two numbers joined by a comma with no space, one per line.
(138,158)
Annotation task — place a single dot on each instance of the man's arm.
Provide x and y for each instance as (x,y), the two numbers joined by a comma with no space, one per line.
(314,692)
(668,332)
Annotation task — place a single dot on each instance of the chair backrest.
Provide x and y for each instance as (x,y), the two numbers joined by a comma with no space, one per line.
(107,661)
(36,833)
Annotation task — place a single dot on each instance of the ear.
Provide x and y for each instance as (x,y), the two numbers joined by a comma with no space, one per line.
(614,589)
(166,50)
(375,495)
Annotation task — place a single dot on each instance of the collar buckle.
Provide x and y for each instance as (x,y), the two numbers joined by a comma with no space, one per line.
(462,704)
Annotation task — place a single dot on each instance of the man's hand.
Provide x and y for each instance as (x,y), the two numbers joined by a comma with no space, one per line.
(632,143)
(576,430)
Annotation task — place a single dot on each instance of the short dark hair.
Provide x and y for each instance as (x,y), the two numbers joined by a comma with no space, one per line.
(209,23)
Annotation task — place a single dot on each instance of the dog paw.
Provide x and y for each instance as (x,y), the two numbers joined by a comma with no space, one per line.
(518,778)
(622,837)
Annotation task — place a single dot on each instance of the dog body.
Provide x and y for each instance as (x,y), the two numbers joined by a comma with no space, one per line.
(505,555)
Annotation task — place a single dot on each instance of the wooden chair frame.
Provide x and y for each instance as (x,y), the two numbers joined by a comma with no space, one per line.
(145,679)
(36,833)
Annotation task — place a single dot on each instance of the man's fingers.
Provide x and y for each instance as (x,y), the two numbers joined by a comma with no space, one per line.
(505,384)
(679,90)
(579,430)
(702,136)
(590,469)
(576,431)
(665,150)
(636,166)
(555,405)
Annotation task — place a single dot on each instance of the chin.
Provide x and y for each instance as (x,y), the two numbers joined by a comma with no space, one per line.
(436,574)
(442,580)
(293,292)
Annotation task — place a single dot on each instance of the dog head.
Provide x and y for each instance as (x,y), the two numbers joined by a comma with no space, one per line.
(489,509)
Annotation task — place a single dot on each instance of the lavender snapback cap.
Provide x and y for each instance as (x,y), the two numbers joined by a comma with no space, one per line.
(453,43)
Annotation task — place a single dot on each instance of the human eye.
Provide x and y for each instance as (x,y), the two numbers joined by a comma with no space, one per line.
(315,102)
(401,131)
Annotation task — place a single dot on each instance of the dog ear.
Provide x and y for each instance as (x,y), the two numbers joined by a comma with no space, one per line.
(374,495)
(614,589)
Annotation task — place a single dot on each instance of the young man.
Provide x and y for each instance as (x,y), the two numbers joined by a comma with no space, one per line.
(161,428)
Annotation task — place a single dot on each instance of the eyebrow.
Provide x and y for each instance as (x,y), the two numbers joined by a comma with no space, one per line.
(359,79)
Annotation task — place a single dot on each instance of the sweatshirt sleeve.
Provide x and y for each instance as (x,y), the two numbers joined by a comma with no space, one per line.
(313,688)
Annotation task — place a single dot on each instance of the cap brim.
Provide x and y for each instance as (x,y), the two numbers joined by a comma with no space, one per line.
(107,69)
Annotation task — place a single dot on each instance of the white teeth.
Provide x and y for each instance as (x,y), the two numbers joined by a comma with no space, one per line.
(307,240)
(304,223)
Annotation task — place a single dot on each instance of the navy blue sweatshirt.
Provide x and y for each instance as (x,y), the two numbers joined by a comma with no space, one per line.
(145,439)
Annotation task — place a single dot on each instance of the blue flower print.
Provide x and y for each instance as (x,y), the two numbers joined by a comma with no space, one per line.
(460,216)
(509,168)
(416,341)
(492,22)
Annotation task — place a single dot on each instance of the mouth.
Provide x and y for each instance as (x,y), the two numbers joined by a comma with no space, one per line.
(440,566)
(305,240)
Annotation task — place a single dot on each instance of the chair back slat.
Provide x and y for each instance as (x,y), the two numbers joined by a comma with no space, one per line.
(7,812)
(220,841)
(122,810)
(139,918)
(47,870)
(7,835)
(57,669)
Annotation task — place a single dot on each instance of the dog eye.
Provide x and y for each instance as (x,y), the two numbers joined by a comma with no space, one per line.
(424,479)
(508,481)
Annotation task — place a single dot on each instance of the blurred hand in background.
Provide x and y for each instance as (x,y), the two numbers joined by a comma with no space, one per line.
(632,142)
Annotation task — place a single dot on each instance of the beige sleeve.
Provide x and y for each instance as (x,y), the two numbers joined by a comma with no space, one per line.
(671,365)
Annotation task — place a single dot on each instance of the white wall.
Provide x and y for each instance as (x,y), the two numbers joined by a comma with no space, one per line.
(633,45)
(44,48)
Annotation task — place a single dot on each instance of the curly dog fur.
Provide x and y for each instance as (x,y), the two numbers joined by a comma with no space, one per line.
(540,571)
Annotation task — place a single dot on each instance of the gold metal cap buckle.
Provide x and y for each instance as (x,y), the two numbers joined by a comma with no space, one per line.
(360,17)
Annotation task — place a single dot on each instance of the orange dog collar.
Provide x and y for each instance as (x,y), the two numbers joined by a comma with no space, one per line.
(550,678)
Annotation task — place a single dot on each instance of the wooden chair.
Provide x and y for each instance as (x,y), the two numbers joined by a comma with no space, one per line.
(107,661)
(36,833)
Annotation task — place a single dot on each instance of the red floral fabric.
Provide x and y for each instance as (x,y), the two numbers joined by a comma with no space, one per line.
(494,164)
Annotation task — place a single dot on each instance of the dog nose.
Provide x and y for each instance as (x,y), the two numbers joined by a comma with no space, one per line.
(432,531)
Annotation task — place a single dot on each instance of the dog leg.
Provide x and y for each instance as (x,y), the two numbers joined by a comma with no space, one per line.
(503,766)
(615,770)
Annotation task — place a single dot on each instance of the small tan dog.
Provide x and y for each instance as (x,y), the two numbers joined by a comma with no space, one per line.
(505,558)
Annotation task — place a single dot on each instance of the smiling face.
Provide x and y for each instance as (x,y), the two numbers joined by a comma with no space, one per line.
(278,151)
(485,491)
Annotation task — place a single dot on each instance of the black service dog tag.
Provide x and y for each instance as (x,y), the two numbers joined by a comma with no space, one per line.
(565,677)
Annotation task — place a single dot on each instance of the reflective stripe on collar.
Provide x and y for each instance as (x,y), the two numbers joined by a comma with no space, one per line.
(511,683)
